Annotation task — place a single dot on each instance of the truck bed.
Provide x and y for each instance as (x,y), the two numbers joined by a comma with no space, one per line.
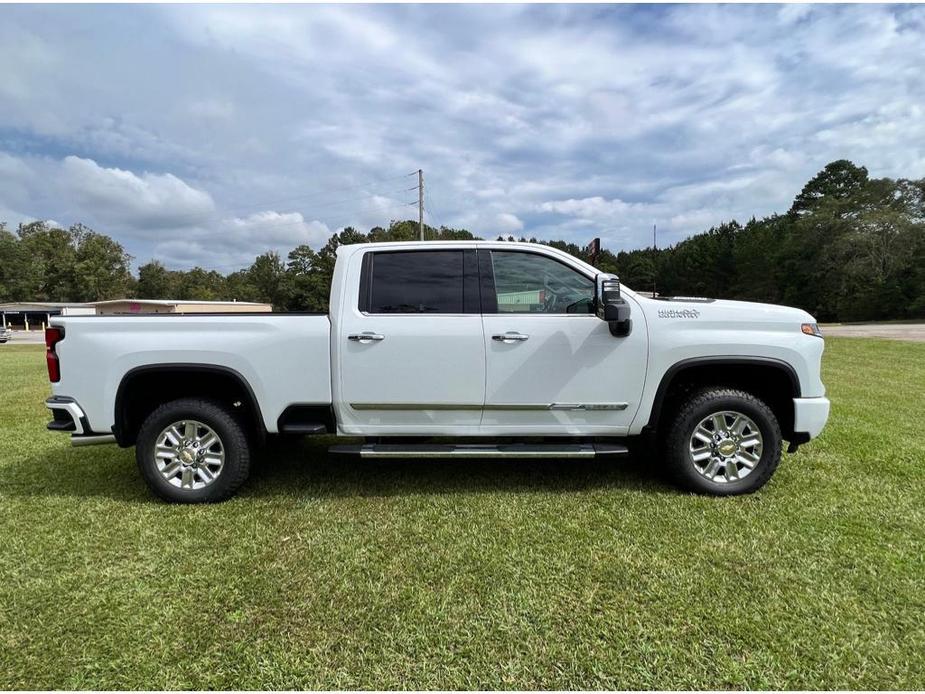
(283,358)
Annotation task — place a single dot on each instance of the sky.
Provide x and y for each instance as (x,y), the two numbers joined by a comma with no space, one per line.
(205,135)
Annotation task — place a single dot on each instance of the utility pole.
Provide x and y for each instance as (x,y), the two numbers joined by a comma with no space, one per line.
(421,203)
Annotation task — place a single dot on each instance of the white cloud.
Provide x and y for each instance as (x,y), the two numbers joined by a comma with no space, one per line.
(507,223)
(211,109)
(792,13)
(590,208)
(147,200)
(13,218)
(234,243)
(278,229)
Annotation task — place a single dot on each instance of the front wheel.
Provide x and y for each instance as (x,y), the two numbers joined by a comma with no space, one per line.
(722,442)
(192,451)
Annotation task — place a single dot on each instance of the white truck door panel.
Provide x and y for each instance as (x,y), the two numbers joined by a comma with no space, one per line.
(426,375)
(549,370)
(570,376)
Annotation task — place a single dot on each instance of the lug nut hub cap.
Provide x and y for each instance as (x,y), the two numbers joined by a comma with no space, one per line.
(725,446)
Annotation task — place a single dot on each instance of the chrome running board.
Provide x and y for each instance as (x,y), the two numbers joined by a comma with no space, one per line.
(94,440)
(480,450)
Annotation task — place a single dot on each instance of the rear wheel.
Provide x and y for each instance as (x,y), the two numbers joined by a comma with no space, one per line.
(192,451)
(723,441)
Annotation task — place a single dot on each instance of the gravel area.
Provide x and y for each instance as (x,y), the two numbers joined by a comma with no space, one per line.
(914,332)
(21,337)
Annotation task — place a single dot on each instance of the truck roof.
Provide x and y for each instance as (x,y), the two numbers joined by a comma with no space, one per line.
(471,243)
(457,242)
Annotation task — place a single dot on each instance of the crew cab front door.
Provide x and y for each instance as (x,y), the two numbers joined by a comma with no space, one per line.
(412,355)
(552,366)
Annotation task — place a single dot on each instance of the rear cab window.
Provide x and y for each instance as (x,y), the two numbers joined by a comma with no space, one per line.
(419,282)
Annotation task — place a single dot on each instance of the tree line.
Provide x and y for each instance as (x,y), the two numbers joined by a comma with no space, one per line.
(849,248)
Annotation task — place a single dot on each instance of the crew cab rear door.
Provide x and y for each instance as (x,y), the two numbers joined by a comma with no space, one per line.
(411,348)
(552,365)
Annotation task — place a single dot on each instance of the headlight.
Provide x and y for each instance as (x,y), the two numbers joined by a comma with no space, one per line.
(811,329)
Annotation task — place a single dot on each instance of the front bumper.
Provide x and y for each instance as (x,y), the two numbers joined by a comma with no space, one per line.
(810,415)
(68,416)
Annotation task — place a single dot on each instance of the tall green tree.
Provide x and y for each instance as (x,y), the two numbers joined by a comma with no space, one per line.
(13,283)
(48,259)
(101,267)
(238,287)
(309,273)
(837,184)
(156,282)
(267,277)
(200,284)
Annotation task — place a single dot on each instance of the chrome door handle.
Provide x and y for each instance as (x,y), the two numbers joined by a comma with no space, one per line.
(510,336)
(366,337)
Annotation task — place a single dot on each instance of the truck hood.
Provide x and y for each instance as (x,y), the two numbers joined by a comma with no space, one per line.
(725,310)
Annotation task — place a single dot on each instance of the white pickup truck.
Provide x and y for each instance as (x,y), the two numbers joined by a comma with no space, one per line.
(448,349)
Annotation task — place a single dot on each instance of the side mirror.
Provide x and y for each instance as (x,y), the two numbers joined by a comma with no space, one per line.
(611,306)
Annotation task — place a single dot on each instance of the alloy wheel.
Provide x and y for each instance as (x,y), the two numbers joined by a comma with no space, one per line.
(189,454)
(726,446)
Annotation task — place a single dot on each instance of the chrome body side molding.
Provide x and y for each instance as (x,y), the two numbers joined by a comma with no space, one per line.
(507,406)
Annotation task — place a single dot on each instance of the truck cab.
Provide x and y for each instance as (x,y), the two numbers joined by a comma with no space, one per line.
(485,340)
(431,345)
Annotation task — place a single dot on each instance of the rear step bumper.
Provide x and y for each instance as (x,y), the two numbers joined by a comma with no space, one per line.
(68,416)
(478,450)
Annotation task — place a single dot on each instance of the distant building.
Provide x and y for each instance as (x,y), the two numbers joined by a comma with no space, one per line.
(35,315)
(516,301)
(130,306)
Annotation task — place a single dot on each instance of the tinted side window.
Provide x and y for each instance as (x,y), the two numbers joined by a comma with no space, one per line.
(416,282)
(530,283)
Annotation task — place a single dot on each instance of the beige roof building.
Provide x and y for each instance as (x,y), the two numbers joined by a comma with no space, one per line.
(124,306)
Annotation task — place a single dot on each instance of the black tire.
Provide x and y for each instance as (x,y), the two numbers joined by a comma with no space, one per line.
(222,421)
(702,404)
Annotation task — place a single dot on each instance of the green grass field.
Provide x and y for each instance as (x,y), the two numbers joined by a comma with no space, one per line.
(326,573)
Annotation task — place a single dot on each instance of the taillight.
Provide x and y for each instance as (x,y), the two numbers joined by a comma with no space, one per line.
(52,337)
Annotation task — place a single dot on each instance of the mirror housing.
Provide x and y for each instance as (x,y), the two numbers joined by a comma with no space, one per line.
(611,306)
(617,312)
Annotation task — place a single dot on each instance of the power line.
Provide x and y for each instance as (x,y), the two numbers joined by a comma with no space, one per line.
(255,207)
(385,211)
(327,191)
(432,207)
(421,203)
(220,219)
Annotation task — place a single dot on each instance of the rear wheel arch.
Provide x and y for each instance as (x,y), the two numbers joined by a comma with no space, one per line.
(145,388)
(772,380)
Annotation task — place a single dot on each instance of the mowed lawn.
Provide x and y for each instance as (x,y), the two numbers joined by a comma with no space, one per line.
(327,573)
